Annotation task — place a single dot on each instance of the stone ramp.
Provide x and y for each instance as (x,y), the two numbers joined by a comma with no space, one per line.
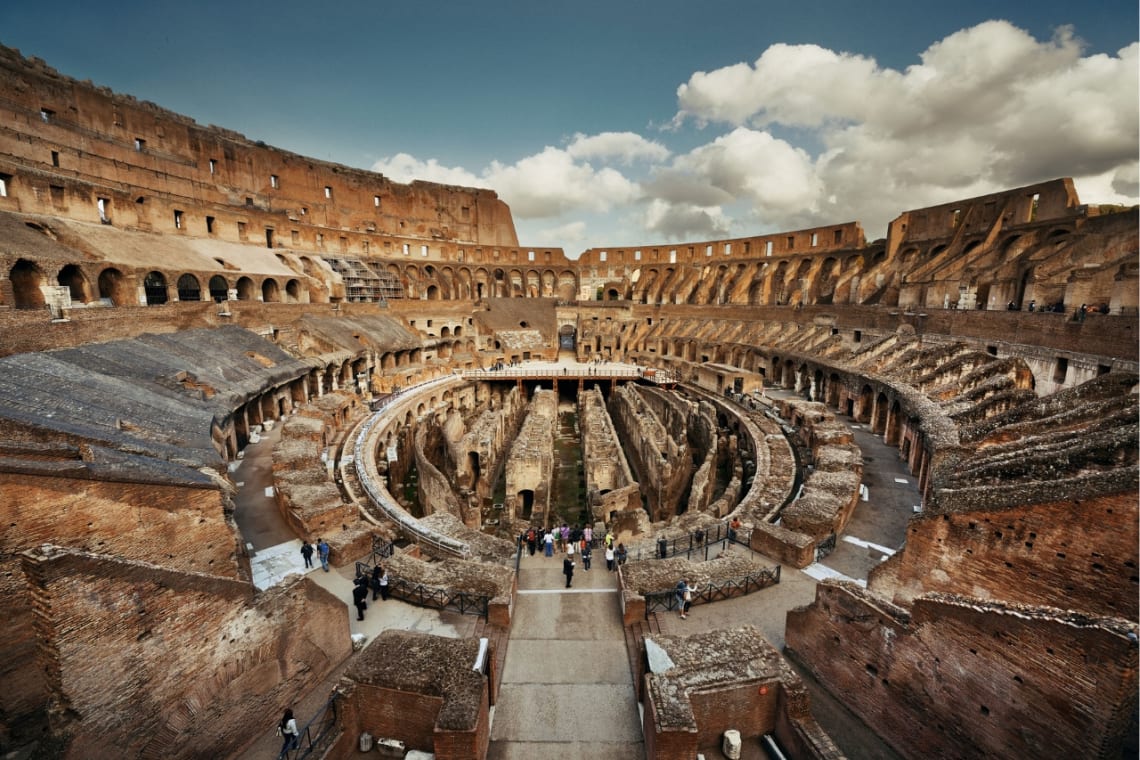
(567,689)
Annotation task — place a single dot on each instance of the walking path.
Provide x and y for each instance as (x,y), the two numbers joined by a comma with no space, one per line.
(567,691)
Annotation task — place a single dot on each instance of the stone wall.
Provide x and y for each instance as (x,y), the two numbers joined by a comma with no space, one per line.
(139,657)
(530,463)
(964,678)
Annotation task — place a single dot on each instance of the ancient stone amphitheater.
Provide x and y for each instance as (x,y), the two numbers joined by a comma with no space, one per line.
(168,291)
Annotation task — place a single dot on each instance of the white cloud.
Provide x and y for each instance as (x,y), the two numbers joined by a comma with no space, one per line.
(683,221)
(571,232)
(986,109)
(544,185)
(625,146)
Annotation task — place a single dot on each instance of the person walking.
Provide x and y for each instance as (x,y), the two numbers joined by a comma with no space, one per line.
(531,541)
(287,729)
(570,549)
(587,554)
(323,551)
(307,553)
(610,558)
(564,532)
(360,596)
(620,555)
(548,544)
(588,534)
(568,569)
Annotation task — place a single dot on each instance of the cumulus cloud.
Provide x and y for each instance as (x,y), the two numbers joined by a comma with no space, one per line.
(683,221)
(627,147)
(985,109)
(544,185)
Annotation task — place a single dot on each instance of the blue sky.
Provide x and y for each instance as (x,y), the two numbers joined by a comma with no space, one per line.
(623,123)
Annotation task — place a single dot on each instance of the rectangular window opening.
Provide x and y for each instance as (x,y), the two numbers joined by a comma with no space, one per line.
(213,166)
(177,219)
(991,350)
(838,237)
(530,255)
(601,255)
(708,250)
(274,181)
(637,255)
(328,191)
(423,251)
(956,218)
(465,213)
(295,237)
(320,240)
(814,239)
(140,144)
(210,225)
(768,248)
(343,244)
(5,181)
(46,115)
(241,230)
(56,195)
(858,337)
(791,242)
(728,249)
(376,201)
(55,158)
(104,206)
(1061,371)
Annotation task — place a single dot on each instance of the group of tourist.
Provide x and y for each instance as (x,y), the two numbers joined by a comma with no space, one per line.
(378,583)
(322,550)
(569,541)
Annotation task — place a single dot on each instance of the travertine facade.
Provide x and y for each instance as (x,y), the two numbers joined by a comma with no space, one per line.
(166,288)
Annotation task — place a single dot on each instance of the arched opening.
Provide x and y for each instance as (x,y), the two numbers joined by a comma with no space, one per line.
(154,286)
(270,292)
(219,290)
(879,415)
(189,289)
(72,277)
(293,291)
(112,287)
(26,278)
(245,289)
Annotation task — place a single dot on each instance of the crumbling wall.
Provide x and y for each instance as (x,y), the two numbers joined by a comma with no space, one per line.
(609,482)
(434,489)
(479,452)
(530,463)
(961,678)
(146,661)
(659,455)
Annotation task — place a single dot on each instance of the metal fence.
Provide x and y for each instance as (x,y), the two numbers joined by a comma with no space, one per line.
(715,591)
(315,737)
(439,598)
(381,550)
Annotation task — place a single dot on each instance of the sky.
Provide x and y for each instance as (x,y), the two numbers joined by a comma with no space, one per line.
(619,123)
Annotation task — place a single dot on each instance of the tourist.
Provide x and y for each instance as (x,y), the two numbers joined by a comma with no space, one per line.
(360,596)
(568,570)
(564,537)
(588,534)
(609,558)
(609,539)
(620,554)
(287,729)
(323,551)
(307,553)
(587,554)
(531,541)
(569,548)
(684,595)
(384,582)
(374,582)
(548,544)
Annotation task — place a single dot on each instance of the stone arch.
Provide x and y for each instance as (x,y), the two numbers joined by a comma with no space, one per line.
(155,288)
(27,278)
(865,405)
(892,431)
(432,293)
(270,291)
(293,290)
(189,289)
(879,415)
(219,288)
(73,278)
(245,289)
(113,286)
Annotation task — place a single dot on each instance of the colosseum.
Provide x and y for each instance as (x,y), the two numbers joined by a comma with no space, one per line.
(900,475)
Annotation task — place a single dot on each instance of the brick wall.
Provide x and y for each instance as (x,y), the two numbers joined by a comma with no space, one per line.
(1072,554)
(970,679)
(388,713)
(143,661)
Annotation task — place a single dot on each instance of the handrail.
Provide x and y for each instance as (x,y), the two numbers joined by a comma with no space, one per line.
(368,477)
(316,735)
(729,588)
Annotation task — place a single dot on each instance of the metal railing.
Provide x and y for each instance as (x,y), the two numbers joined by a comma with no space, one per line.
(729,588)
(381,550)
(315,737)
(441,599)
